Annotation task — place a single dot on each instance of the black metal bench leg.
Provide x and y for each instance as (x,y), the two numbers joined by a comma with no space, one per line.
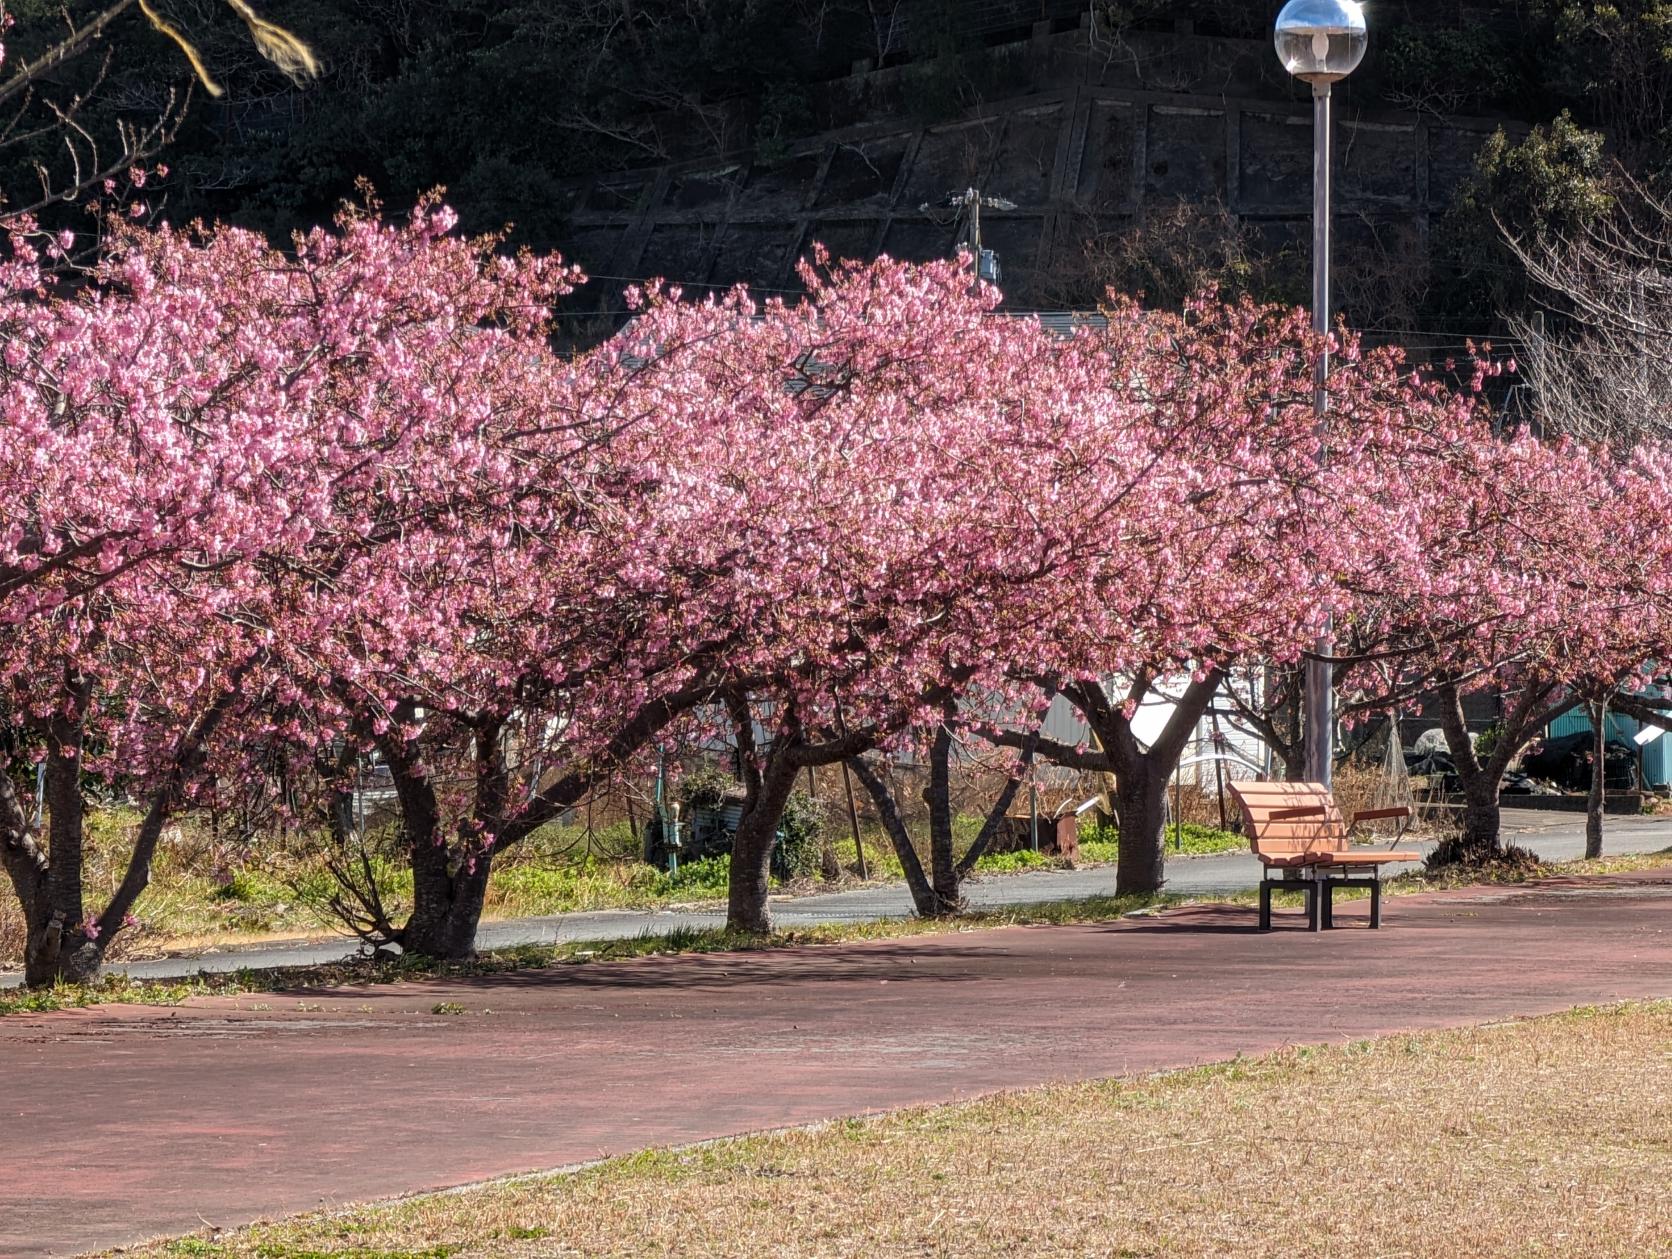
(1265,905)
(1314,906)
(1375,903)
(1327,889)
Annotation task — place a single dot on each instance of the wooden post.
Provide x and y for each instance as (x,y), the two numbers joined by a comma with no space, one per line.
(853,820)
(847,786)
(1178,811)
(1219,770)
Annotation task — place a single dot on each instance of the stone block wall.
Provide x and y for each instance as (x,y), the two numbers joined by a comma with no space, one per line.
(1094,143)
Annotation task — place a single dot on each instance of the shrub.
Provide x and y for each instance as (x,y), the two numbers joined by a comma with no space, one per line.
(705,787)
(1486,742)
(707,876)
(647,880)
(800,836)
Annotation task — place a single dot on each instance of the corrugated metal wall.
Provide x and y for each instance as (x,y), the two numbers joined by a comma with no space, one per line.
(1657,754)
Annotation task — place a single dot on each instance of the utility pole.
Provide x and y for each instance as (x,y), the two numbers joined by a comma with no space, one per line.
(969,202)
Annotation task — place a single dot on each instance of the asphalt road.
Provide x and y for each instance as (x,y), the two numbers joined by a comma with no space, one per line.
(1554,836)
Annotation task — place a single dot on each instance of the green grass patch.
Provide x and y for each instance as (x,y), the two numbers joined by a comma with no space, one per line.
(1102,843)
(118,988)
(1014,862)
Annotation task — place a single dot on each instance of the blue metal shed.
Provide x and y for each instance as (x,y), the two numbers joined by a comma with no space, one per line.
(1656,752)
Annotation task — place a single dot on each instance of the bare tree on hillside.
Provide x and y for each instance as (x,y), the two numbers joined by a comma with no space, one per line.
(1598,364)
(1597,358)
(45,101)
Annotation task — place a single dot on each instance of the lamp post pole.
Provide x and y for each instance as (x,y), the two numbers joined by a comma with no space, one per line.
(1319,690)
(1320,42)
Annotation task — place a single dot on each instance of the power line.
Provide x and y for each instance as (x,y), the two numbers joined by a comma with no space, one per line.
(689,284)
(1411,338)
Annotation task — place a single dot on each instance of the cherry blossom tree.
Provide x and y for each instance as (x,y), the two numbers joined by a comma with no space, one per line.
(794,515)
(132,684)
(519,649)
(197,442)
(1542,579)
(1256,539)
(913,481)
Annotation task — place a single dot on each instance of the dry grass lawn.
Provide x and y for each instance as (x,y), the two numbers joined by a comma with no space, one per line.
(1551,1136)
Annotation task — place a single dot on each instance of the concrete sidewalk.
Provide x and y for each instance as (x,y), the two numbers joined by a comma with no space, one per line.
(1554,836)
(124,1122)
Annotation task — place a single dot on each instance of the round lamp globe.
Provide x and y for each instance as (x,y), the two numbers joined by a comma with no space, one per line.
(1320,41)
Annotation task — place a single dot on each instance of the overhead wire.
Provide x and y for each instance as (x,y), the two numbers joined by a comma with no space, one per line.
(1409,338)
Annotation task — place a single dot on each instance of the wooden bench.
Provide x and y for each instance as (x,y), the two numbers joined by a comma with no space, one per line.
(1297,828)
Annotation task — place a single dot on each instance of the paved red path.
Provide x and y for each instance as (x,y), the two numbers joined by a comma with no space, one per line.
(124,1122)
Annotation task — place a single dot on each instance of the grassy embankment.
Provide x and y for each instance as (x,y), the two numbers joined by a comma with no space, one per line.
(1545,1136)
(204,892)
(117,988)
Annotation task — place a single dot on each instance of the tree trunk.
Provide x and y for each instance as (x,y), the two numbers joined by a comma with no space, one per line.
(25,864)
(1477,841)
(1286,741)
(1594,801)
(1141,774)
(767,782)
(58,948)
(450,882)
(751,856)
(448,887)
(63,944)
(334,773)
(923,897)
(995,816)
(81,953)
(448,892)
(943,868)
(68,958)
(65,813)
(1479,838)
(1140,816)
(72,957)
(54,949)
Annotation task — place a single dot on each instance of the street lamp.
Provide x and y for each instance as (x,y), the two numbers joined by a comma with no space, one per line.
(1320,42)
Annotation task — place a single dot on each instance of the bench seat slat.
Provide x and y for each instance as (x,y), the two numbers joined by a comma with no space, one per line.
(1365,858)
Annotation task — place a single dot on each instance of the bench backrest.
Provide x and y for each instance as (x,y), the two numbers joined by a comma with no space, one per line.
(1320,832)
